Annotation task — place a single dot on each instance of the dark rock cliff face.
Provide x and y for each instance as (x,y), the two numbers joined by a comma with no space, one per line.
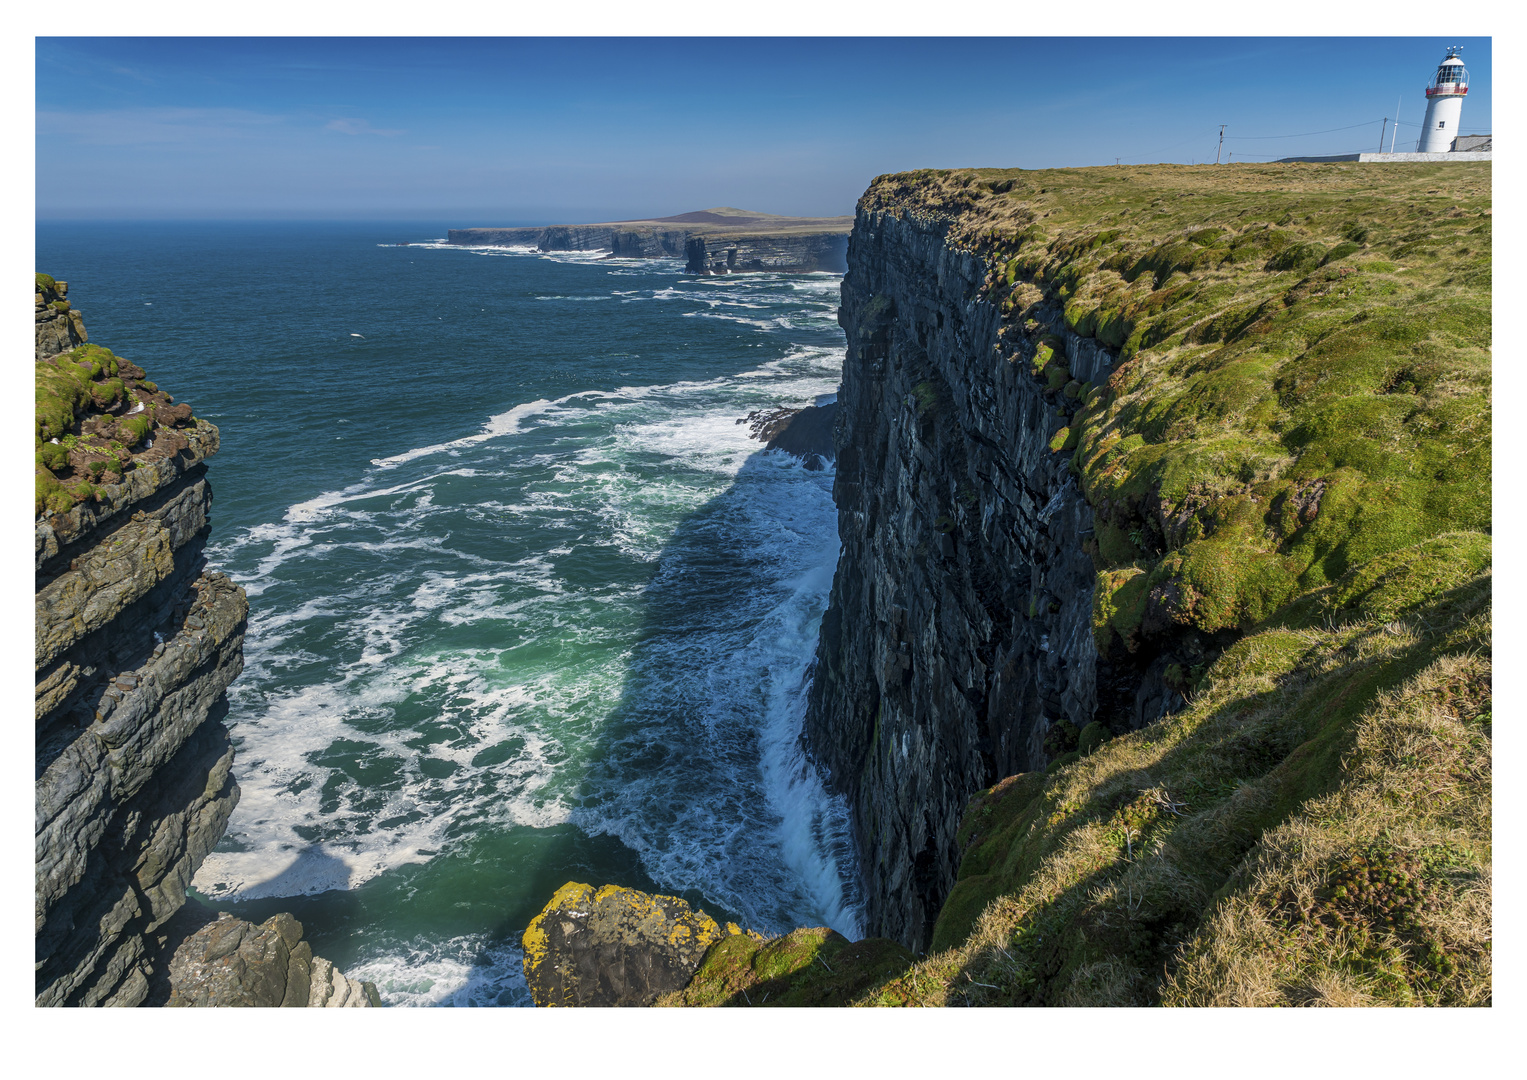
(709,255)
(626,243)
(959,626)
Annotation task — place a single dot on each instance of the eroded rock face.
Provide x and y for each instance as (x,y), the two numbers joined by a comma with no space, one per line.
(233,963)
(614,946)
(59,327)
(959,625)
(136,643)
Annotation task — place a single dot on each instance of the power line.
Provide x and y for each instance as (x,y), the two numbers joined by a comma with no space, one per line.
(1302,134)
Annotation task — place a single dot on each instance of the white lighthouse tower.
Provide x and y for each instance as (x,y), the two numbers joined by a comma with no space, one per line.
(1444,105)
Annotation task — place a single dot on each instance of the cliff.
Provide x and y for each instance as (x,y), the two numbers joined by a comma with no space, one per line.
(1156,487)
(1157,666)
(136,643)
(721,240)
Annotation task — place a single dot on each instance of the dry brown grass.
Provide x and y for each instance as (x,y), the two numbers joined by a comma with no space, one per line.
(1171,866)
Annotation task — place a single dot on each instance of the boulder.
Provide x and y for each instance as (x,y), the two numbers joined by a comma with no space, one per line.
(231,962)
(805,433)
(615,946)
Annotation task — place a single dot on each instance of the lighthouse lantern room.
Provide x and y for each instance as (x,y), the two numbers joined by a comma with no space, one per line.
(1444,105)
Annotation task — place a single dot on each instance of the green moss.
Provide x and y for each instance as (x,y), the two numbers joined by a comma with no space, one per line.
(1299,258)
(52,456)
(135,428)
(807,967)
(1056,374)
(926,396)
(1118,608)
(45,281)
(1065,439)
(1341,251)
(70,388)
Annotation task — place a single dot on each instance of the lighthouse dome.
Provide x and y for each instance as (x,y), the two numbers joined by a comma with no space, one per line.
(1450,72)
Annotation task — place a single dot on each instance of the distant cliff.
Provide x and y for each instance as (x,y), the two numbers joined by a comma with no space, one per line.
(722,240)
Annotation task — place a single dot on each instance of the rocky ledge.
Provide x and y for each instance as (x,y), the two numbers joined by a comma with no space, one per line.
(803,433)
(721,240)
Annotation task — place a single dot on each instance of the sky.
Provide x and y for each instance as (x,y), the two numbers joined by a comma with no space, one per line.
(494,131)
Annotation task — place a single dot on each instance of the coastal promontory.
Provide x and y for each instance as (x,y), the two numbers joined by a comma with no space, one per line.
(721,240)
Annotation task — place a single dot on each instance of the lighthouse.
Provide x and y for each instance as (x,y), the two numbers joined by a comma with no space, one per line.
(1444,105)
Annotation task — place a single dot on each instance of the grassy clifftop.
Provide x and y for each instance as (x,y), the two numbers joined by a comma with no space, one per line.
(97,417)
(1295,448)
(1307,375)
(1291,459)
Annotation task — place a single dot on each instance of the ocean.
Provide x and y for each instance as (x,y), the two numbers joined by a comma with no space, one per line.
(527,604)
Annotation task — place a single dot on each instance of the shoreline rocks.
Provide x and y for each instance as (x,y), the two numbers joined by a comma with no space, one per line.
(233,963)
(614,947)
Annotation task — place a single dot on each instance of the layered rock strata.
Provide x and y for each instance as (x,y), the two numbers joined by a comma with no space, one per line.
(59,327)
(136,642)
(959,626)
(722,240)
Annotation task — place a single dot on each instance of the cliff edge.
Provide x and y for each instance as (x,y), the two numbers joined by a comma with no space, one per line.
(136,642)
(1165,493)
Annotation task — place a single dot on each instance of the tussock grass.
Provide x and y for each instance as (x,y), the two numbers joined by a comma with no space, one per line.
(1181,864)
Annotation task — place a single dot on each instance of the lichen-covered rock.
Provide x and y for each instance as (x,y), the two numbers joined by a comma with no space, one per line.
(614,946)
(233,963)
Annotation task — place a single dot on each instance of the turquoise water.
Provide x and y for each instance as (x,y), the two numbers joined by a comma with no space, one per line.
(526,603)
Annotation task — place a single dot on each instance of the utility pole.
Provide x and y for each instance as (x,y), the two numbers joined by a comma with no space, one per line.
(1381,133)
(1221,143)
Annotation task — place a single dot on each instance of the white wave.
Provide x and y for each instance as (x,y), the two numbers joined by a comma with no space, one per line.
(506,423)
(464,971)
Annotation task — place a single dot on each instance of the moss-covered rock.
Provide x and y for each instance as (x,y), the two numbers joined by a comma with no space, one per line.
(95,413)
(807,967)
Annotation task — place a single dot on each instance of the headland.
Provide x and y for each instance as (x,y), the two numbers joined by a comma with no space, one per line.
(721,240)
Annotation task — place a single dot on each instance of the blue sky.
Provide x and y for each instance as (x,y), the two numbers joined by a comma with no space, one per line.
(507,130)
